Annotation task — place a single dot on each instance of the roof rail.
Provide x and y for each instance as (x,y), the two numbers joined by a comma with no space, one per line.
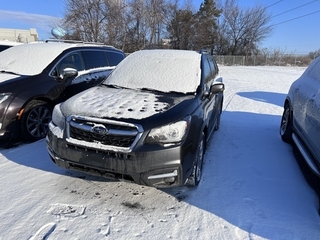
(73,41)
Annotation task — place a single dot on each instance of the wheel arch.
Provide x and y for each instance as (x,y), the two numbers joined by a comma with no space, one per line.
(39,98)
(287,101)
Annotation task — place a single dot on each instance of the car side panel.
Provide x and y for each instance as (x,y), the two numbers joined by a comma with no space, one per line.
(313,125)
(305,100)
(299,106)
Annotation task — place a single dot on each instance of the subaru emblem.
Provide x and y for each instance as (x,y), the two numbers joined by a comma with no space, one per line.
(99,129)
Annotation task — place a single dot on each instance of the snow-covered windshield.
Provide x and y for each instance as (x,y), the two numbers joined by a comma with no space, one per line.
(30,59)
(159,70)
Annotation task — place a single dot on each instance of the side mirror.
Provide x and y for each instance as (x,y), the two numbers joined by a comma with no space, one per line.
(217,87)
(68,73)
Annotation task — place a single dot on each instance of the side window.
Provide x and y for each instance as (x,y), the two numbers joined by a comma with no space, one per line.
(314,71)
(70,61)
(114,58)
(213,67)
(94,59)
(206,71)
(216,68)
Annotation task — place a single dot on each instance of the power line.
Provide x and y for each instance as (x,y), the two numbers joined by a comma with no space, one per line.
(296,18)
(294,8)
(273,4)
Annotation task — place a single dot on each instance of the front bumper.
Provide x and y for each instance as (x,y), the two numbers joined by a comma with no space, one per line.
(149,165)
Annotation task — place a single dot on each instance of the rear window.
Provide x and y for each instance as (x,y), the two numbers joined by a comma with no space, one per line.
(94,59)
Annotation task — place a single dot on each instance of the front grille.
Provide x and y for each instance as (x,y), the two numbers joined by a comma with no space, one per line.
(114,134)
(119,141)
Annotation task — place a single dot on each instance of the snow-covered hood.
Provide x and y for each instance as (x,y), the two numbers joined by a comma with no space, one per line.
(105,102)
(7,76)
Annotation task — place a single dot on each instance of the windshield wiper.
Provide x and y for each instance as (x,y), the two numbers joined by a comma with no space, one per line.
(112,85)
(151,90)
(4,71)
(162,92)
(115,86)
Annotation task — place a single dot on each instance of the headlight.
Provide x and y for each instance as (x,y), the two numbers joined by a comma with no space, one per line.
(57,117)
(4,96)
(171,133)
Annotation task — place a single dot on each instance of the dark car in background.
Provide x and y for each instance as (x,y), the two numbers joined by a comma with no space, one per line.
(148,122)
(35,77)
(5,44)
(300,123)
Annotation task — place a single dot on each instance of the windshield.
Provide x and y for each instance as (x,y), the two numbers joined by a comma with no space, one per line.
(30,59)
(158,70)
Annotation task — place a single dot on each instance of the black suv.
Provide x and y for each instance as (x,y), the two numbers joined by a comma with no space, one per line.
(36,76)
(148,122)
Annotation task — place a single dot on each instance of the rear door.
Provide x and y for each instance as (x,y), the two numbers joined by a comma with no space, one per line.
(306,108)
(312,121)
(208,99)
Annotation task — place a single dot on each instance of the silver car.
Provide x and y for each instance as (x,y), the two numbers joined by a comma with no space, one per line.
(300,122)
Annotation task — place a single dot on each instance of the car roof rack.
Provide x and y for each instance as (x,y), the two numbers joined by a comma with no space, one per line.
(75,41)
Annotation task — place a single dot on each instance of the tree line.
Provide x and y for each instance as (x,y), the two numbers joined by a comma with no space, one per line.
(220,26)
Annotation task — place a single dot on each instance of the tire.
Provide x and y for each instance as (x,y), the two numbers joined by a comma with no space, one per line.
(196,174)
(286,125)
(35,120)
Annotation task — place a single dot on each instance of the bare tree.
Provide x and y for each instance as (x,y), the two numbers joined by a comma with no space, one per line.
(116,22)
(129,25)
(314,54)
(241,30)
(156,15)
(85,19)
(136,31)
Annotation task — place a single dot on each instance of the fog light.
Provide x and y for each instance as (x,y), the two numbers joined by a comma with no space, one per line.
(169,180)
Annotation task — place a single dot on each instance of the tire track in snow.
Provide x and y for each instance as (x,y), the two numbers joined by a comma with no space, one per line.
(44,232)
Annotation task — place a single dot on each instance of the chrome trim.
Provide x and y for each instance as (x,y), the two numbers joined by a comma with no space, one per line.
(110,131)
(138,133)
(165,175)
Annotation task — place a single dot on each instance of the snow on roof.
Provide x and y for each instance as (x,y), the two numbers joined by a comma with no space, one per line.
(30,59)
(161,70)
(9,43)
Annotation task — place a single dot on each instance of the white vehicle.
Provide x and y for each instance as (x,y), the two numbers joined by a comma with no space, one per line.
(301,116)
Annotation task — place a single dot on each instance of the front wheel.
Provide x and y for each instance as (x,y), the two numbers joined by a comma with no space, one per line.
(35,120)
(196,174)
(286,125)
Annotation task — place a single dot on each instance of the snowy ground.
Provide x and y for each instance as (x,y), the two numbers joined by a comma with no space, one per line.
(252,187)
